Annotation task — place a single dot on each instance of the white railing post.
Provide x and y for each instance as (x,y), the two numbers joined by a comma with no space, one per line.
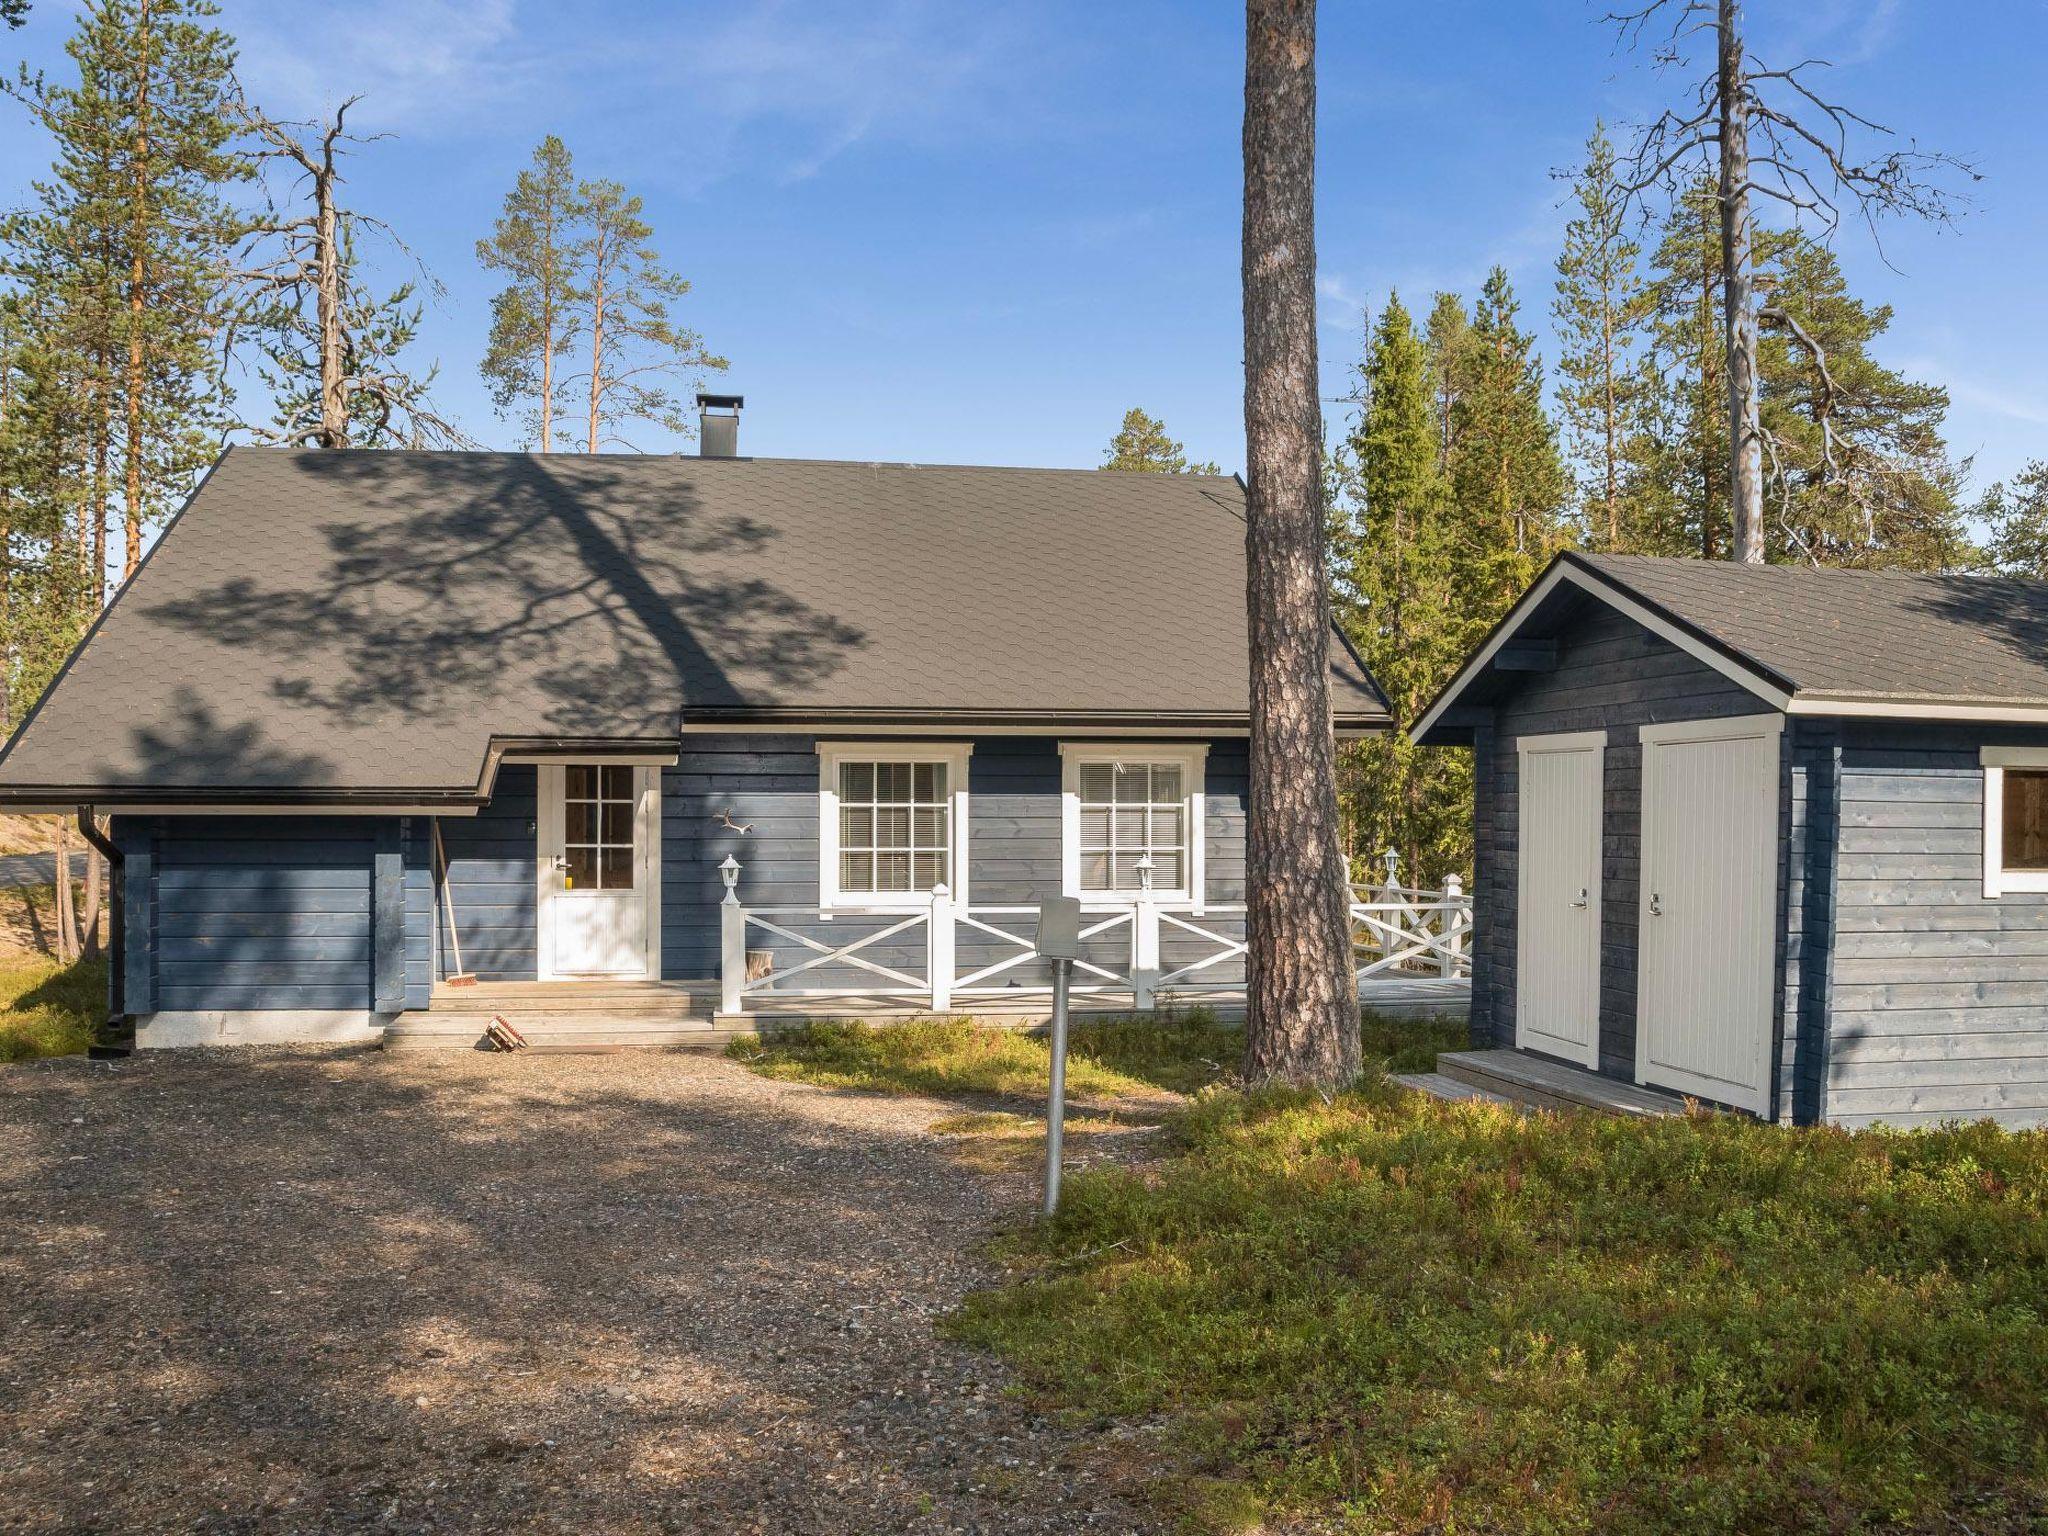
(1454,925)
(1144,940)
(939,949)
(732,939)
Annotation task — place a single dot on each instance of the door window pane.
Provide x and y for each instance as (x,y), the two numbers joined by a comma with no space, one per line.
(895,827)
(600,804)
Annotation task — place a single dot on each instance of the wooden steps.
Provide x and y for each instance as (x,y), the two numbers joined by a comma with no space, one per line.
(1543,1084)
(422,1031)
(567,1016)
(1438,1086)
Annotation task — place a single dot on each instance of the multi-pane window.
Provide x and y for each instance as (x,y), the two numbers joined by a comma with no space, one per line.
(1131,811)
(895,827)
(2025,831)
(598,805)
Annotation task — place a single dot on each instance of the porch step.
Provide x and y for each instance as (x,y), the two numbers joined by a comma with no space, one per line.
(1543,1084)
(548,999)
(429,1031)
(1438,1086)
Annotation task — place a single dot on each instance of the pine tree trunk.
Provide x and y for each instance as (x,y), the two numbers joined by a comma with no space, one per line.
(95,891)
(547,334)
(1301,1020)
(138,277)
(596,343)
(67,914)
(1607,381)
(327,259)
(1745,443)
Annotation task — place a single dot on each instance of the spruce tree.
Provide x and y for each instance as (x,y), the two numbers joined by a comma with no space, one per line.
(1142,444)
(1506,478)
(1395,585)
(1600,311)
(534,317)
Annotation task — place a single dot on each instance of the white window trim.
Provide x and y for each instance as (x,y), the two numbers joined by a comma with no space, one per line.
(830,755)
(1998,880)
(1193,762)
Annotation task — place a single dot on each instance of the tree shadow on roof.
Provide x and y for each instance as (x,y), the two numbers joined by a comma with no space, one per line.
(553,595)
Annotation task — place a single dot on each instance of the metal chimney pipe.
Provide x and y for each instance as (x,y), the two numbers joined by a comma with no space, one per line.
(718,425)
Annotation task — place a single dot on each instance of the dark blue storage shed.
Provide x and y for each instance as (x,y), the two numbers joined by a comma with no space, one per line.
(1774,837)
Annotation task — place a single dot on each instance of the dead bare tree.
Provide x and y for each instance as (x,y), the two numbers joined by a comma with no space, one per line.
(331,343)
(1768,133)
(1301,1020)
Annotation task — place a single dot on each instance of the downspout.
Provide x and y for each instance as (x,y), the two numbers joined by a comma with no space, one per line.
(117,925)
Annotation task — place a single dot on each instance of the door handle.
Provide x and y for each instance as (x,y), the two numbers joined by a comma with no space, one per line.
(1656,905)
(1585,896)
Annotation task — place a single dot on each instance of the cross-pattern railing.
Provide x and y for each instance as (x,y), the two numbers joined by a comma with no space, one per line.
(1395,929)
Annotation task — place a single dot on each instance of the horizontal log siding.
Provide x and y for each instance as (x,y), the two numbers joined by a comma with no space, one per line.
(494,879)
(257,912)
(1611,675)
(1939,1002)
(771,783)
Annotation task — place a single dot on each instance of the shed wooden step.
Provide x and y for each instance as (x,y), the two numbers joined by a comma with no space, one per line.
(1438,1086)
(1544,1084)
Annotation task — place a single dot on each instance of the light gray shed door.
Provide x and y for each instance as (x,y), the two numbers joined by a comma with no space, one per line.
(1557,954)
(1709,908)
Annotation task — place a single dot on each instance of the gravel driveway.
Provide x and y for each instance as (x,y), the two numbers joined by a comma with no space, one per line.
(294,1290)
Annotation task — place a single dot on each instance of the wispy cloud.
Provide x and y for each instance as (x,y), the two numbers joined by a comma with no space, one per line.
(817,80)
(417,63)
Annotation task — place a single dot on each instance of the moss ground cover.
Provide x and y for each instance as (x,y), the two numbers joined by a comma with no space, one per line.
(1397,1314)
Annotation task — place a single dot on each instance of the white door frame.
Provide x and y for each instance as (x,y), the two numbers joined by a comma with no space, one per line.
(647,851)
(1594,742)
(1771,729)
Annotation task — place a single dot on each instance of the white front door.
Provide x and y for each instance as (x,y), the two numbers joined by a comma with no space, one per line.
(1557,924)
(1709,908)
(598,827)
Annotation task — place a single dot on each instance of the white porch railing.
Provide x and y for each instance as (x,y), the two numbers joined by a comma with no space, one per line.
(1395,930)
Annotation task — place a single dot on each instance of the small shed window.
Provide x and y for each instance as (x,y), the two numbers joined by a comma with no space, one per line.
(2015,819)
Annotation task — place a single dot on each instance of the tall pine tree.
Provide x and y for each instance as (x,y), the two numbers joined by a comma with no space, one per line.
(1600,311)
(1142,444)
(536,244)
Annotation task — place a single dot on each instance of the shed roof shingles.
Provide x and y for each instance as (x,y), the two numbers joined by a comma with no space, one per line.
(321,621)
(1878,635)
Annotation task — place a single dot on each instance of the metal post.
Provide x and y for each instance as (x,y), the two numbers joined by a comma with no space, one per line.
(1056,1099)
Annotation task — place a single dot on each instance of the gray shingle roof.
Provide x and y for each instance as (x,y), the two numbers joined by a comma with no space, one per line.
(371,621)
(1870,635)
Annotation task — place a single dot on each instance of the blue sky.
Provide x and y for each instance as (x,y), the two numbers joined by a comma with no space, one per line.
(978,233)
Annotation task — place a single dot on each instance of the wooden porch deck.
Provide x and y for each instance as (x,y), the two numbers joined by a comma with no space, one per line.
(601,1015)
(1511,1077)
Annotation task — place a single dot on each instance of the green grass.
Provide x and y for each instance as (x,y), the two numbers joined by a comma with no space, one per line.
(1400,1315)
(1108,1057)
(48,1009)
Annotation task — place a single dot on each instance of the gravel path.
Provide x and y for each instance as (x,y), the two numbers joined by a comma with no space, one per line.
(308,1290)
